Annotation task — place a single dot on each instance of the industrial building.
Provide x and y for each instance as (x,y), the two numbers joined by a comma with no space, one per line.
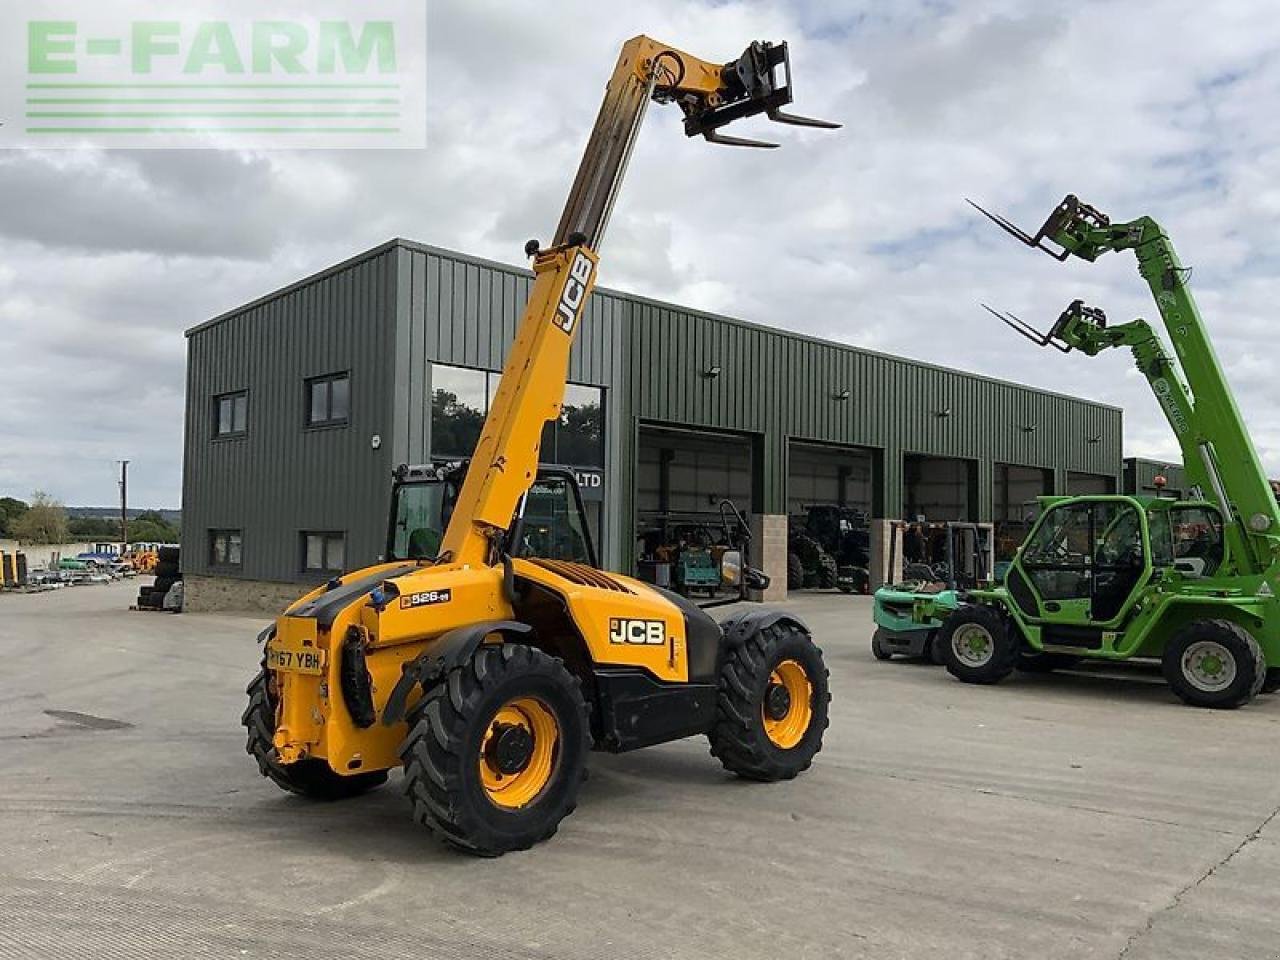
(300,405)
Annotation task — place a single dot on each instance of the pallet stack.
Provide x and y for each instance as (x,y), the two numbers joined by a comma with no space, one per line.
(168,572)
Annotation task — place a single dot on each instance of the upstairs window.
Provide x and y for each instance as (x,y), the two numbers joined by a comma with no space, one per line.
(231,414)
(329,400)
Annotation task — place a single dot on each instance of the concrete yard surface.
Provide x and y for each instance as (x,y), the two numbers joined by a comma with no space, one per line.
(1049,817)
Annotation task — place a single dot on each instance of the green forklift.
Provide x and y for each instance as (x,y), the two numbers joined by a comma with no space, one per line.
(1191,583)
(957,556)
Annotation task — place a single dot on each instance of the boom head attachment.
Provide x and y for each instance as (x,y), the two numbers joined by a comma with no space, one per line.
(1075,327)
(1073,228)
(757,82)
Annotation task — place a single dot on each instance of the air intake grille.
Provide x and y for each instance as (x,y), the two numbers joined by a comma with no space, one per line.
(580,573)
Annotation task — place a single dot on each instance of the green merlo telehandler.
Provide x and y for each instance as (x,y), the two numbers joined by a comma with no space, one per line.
(1190,582)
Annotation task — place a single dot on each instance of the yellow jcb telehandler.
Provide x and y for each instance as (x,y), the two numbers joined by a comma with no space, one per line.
(488,673)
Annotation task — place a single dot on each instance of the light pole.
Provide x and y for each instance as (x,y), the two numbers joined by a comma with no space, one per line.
(124,507)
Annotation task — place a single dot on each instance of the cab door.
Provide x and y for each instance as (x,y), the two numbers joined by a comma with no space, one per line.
(1083,564)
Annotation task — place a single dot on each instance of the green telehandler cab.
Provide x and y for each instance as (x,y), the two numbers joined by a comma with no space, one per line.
(1190,582)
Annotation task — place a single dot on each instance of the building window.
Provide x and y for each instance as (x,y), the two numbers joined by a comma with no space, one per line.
(329,400)
(231,414)
(225,548)
(460,399)
(323,552)
(459,404)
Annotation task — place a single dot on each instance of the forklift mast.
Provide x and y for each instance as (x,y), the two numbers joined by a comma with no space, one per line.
(531,390)
(1190,384)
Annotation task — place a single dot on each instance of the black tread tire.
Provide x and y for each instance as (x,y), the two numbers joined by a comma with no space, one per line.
(1251,664)
(446,730)
(1272,682)
(738,739)
(167,569)
(795,572)
(162,585)
(877,647)
(168,554)
(1029,662)
(828,572)
(311,777)
(1004,657)
(937,650)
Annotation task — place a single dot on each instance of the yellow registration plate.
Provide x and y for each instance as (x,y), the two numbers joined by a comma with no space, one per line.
(294,659)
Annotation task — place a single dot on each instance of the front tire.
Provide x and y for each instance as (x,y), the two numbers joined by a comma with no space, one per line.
(497,750)
(978,645)
(878,648)
(311,777)
(771,710)
(1214,663)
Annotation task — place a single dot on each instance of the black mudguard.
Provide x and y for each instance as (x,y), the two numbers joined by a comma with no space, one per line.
(739,626)
(450,650)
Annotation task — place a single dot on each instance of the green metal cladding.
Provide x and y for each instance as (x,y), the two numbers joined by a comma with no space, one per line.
(389,313)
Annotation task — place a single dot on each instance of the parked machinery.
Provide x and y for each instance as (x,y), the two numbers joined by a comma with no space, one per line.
(943,560)
(686,551)
(829,546)
(487,673)
(1190,582)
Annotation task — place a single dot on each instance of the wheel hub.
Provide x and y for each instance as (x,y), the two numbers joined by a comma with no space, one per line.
(787,705)
(510,748)
(777,701)
(973,645)
(1209,666)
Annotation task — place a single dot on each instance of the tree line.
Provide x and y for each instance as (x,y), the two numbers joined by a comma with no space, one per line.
(44,520)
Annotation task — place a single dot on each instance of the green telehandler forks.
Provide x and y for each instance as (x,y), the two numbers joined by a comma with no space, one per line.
(1190,582)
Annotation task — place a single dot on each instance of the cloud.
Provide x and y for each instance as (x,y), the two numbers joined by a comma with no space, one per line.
(860,236)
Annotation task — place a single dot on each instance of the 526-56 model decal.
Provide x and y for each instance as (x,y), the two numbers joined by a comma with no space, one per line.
(425,599)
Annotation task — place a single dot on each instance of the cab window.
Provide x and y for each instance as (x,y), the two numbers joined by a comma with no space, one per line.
(553,523)
(420,521)
(1197,540)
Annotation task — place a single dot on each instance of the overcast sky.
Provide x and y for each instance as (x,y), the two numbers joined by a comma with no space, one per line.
(1160,108)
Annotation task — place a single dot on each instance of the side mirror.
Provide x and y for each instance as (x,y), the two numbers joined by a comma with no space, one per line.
(731,568)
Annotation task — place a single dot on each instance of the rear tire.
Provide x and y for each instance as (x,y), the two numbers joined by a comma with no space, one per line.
(1272,683)
(454,771)
(795,572)
(936,650)
(760,733)
(978,645)
(877,648)
(311,777)
(1215,664)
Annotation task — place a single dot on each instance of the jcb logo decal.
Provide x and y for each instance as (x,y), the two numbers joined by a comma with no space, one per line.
(425,599)
(575,292)
(640,632)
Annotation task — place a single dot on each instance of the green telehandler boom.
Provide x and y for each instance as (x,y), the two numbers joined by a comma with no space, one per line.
(1191,582)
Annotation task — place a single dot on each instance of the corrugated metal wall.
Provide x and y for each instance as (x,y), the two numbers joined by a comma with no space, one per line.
(388,314)
(782,386)
(1140,475)
(282,478)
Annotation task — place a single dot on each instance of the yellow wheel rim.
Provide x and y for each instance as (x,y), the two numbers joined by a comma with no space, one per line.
(519,751)
(788,705)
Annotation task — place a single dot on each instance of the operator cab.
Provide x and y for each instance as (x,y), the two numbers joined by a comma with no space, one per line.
(1087,558)
(423,498)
